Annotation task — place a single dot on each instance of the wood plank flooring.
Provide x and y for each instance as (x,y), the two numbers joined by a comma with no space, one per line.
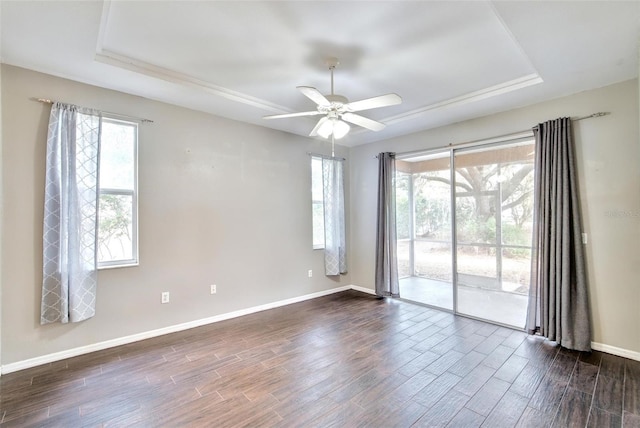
(344,360)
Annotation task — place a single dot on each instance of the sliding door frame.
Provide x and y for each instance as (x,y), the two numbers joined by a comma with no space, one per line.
(452,150)
(454,234)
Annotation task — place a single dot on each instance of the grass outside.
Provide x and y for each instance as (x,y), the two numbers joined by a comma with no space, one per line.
(435,263)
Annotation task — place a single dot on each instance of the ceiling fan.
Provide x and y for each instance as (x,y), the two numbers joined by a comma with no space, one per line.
(337,110)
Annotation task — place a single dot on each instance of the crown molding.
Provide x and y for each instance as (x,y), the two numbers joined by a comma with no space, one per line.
(137,66)
(468,98)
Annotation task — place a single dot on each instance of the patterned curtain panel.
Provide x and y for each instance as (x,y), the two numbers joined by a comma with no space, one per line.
(558,301)
(70,215)
(335,243)
(386,245)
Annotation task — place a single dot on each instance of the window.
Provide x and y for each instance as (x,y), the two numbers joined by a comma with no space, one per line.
(317,202)
(118,205)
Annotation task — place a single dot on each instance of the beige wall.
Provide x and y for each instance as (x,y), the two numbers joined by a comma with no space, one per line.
(609,179)
(228,203)
(220,202)
(1,211)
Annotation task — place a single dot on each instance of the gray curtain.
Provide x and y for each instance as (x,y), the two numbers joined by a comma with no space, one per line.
(386,251)
(70,215)
(335,243)
(558,301)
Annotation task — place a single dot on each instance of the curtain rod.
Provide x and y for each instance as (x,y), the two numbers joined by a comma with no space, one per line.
(318,155)
(512,136)
(523,134)
(123,116)
(598,114)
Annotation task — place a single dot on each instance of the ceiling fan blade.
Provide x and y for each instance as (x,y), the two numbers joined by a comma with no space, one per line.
(302,113)
(370,124)
(314,95)
(375,102)
(314,131)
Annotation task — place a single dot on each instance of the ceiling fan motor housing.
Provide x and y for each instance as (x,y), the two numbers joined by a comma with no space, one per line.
(336,104)
(337,99)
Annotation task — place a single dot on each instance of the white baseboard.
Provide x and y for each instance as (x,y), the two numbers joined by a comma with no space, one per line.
(363,290)
(74,352)
(620,352)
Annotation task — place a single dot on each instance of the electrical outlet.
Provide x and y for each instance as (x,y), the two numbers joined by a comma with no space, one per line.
(213,289)
(310,273)
(165,297)
(584,238)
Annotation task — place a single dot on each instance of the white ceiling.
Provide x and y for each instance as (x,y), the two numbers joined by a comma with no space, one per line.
(448,60)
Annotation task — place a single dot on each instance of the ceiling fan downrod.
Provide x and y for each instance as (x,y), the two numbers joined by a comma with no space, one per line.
(332,68)
(332,63)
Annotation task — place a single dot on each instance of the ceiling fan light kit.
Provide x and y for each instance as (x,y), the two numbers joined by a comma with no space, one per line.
(334,126)
(337,110)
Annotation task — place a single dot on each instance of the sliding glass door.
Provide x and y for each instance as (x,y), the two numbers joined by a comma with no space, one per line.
(483,208)
(423,192)
(493,219)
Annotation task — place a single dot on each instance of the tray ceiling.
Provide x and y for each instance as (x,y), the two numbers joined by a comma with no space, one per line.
(450,61)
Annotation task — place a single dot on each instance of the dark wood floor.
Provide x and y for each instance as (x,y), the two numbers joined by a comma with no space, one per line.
(345,360)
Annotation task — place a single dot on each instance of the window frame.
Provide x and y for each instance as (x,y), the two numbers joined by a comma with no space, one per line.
(315,202)
(135,259)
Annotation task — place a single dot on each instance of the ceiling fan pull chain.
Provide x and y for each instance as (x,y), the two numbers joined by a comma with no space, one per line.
(333,144)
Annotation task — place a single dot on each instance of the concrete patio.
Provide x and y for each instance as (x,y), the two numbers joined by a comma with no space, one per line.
(497,306)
